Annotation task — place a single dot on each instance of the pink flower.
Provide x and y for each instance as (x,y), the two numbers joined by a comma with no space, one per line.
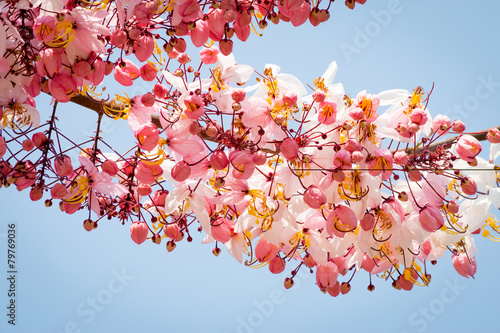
(181,171)
(277,265)
(314,197)
(58,191)
(45,28)
(327,112)
(341,220)
(430,218)
(318,96)
(126,72)
(144,47)
(110,167)
(381,163)
(289,148)
(441,124)
(195,107)
(62,88)
(464,265)
(172,231)
(3,146)
(468,147)
(219,160)
(265,251)
(147,173)
(139,231)
(326,276)
(159,90)
(147,135)
(418,116)
(62,166)
(200,33)
(222,229)
(118,38)
(493,135)
(400,158)
(50,62)
(342,159)
(148,72)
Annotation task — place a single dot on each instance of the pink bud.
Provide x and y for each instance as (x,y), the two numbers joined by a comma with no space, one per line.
(118,38)
(219,160)
(493,135)
(125,72)
(148,72)
(309,261)
(430,218)
(458,126)
(3,147)
(441,124)
(139,231)
(468,147)
(62,166)
(28,145)
(144,189)
(226,46)
(159,197)
(289,148)
(464,265)
(418,116)
(144,47)
(356,113)
(468,185)
(148,99)
(335,290)
(452,207)
(319,96)
(172,231)
(353,145)
(357,156)
(58,191)
(70,208)
(326,276)
(314,197)
(81,68)
(265,251)
(110,167)
(222,229)
(367,222)
(147,173)
(277,265)
(36,193)
(159,90)
(181,171)
(238,95)
(180,45)
(183,58)
(147,135)
(400,158)
(200,33)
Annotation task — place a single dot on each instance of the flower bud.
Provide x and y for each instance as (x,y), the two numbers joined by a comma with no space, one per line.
(222,229)
(288,283)
(468,185)
(139,231)
(62,166)
(468,147)
(277,265)
(58,191)
(265,251)
(219,160)
(464,265)
(289,148)
(144,189)
(493,135)
(458,126)
(367,222)
(452,207)
(314,197)
(28,145)
(36,193)
(39,139)
(110,167)
(430,218)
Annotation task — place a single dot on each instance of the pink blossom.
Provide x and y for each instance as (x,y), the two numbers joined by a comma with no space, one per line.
(148,100)
(118,38)
(159,90)
(144,47)
(62,166)
(39,139)
(277,265)
(45,28)
(418,116)
(464,265)
(342,159)
(468,147)
(381,163)
(458,126)
(172,231)
(36,193)
(222,229)
(195,107)
(58,191)
(200,33)
(289,149)
(326,276)
(493,135)
(139,231)
(441,124)
(314,197)
(144,189)
(219,160)
(110,167)
(238,95)
(181,171)
(147,173)
(148,72)
(468,185)
(327,113)
(341,220)
(126,72)
(265,251)
(400,158)
(318,96)
(430,218)
(50,62)
(62,88)
(147,135)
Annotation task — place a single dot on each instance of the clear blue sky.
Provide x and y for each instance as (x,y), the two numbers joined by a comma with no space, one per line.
(73,281)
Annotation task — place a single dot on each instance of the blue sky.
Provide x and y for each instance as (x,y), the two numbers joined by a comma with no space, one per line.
(70,280)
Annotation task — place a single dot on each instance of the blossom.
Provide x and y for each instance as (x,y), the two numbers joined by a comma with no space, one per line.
(468,147)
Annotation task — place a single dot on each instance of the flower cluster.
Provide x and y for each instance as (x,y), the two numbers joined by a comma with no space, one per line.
(275,173)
